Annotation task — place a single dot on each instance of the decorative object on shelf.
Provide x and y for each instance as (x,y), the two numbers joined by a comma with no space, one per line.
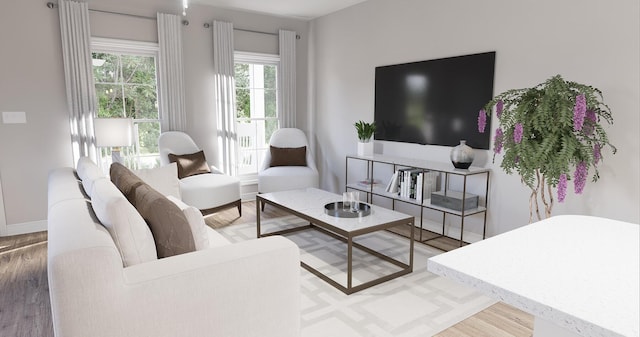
(365,132)
(462,155)
(550,133)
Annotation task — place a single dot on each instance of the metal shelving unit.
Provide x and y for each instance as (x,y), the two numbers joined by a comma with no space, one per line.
(432,238)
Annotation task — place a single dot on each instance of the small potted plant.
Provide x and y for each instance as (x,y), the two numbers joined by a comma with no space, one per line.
(365,132)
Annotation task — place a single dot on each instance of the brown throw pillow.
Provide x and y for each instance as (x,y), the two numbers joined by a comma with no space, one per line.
(190,164)
(125,180)
(169,226)
(288,156)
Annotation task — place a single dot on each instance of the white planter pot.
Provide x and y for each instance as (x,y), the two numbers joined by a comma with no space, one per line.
(365,149)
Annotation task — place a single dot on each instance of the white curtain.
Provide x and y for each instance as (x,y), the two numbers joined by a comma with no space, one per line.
(224,95)
(171,74)
(78,74)
(287,79)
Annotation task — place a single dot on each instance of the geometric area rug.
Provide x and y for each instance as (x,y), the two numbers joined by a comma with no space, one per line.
(417,304)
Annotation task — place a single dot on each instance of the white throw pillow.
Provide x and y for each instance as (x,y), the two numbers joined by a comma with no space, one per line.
(127,228)
(196,222)
(163,179)
(88,172)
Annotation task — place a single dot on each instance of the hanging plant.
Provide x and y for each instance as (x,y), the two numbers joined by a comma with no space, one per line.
(550,134)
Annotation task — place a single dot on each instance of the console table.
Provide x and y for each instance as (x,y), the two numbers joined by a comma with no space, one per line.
(578,275)
(423,235)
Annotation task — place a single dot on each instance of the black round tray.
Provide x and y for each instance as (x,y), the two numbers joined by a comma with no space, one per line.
(336,209)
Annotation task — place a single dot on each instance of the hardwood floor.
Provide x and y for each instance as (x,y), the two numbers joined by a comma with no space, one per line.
(24,292)
(499,320)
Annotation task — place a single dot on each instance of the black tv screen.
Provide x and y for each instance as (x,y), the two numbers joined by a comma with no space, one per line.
(434,102)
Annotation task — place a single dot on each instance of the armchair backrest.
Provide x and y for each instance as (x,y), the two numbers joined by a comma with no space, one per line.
(288,137)
(175,142)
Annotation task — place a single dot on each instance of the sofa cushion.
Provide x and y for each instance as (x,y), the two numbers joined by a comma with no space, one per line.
(171,231)
(127,228)
(163,179)
(196,222)
(88,172)
(288,156)
(190,164)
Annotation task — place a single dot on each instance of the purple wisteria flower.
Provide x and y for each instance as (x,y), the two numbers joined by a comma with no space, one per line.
(517,133)
(590,116)
(580,177)
(596,153)
(579,111)
(562,187)
(482,120)
(499,107)
(497,141)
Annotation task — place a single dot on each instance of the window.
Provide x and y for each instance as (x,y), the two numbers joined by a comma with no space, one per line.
(126,86)
(256,107)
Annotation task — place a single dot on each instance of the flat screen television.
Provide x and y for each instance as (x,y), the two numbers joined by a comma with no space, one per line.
(434,102)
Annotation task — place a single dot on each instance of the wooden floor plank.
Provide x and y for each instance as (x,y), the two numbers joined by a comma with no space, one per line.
(499,320)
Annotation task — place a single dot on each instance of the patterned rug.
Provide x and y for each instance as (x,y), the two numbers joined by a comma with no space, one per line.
(417,304)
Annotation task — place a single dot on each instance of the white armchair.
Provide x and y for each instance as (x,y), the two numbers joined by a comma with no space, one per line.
(209,192)
(280,178)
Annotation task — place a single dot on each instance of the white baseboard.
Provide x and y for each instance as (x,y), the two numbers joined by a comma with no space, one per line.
(26,227)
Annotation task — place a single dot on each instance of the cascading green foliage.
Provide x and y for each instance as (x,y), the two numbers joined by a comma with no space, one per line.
(557,139)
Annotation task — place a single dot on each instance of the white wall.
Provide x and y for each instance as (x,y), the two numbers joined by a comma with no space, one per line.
(592,42)
(32,80)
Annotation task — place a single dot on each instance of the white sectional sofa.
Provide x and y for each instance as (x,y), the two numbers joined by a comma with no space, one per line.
(249,288)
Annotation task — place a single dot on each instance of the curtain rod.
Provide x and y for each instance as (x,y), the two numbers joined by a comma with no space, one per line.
(55,5)
(208,25)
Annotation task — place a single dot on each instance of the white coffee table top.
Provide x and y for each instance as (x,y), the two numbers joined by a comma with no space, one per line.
(579,272)
(311,201)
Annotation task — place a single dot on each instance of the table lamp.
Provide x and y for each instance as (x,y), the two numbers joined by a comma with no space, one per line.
(114,133)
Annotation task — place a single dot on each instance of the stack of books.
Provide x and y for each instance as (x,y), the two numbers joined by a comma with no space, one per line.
(411,183)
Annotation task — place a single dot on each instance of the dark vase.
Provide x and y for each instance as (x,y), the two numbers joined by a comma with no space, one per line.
(462,155)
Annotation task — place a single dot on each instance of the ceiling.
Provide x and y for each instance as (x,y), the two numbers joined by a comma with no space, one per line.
(299,9)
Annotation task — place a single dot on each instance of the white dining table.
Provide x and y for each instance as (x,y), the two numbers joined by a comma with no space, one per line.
(578,275)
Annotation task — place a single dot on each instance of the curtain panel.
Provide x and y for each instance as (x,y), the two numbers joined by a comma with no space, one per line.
(224,95)
(171,73)
(78,74)
(287,79)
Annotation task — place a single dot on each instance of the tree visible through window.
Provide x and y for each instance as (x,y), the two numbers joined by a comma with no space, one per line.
(126,87)
(256,107)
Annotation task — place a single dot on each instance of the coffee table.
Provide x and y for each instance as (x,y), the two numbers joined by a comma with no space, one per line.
(309,204)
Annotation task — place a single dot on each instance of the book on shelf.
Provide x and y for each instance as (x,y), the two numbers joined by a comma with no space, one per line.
(413,183)
(392,186)
(368,182)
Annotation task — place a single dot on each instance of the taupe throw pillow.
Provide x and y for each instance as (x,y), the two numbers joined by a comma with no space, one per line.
(125,180)
(169,226)
(288,156)
(190,164)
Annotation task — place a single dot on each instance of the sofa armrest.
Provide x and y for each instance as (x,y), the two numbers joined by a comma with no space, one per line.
(250,288)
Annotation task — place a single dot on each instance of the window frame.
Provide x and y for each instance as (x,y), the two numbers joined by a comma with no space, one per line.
(261,59)
(134,48)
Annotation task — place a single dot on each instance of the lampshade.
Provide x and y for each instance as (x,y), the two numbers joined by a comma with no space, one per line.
(113,132)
